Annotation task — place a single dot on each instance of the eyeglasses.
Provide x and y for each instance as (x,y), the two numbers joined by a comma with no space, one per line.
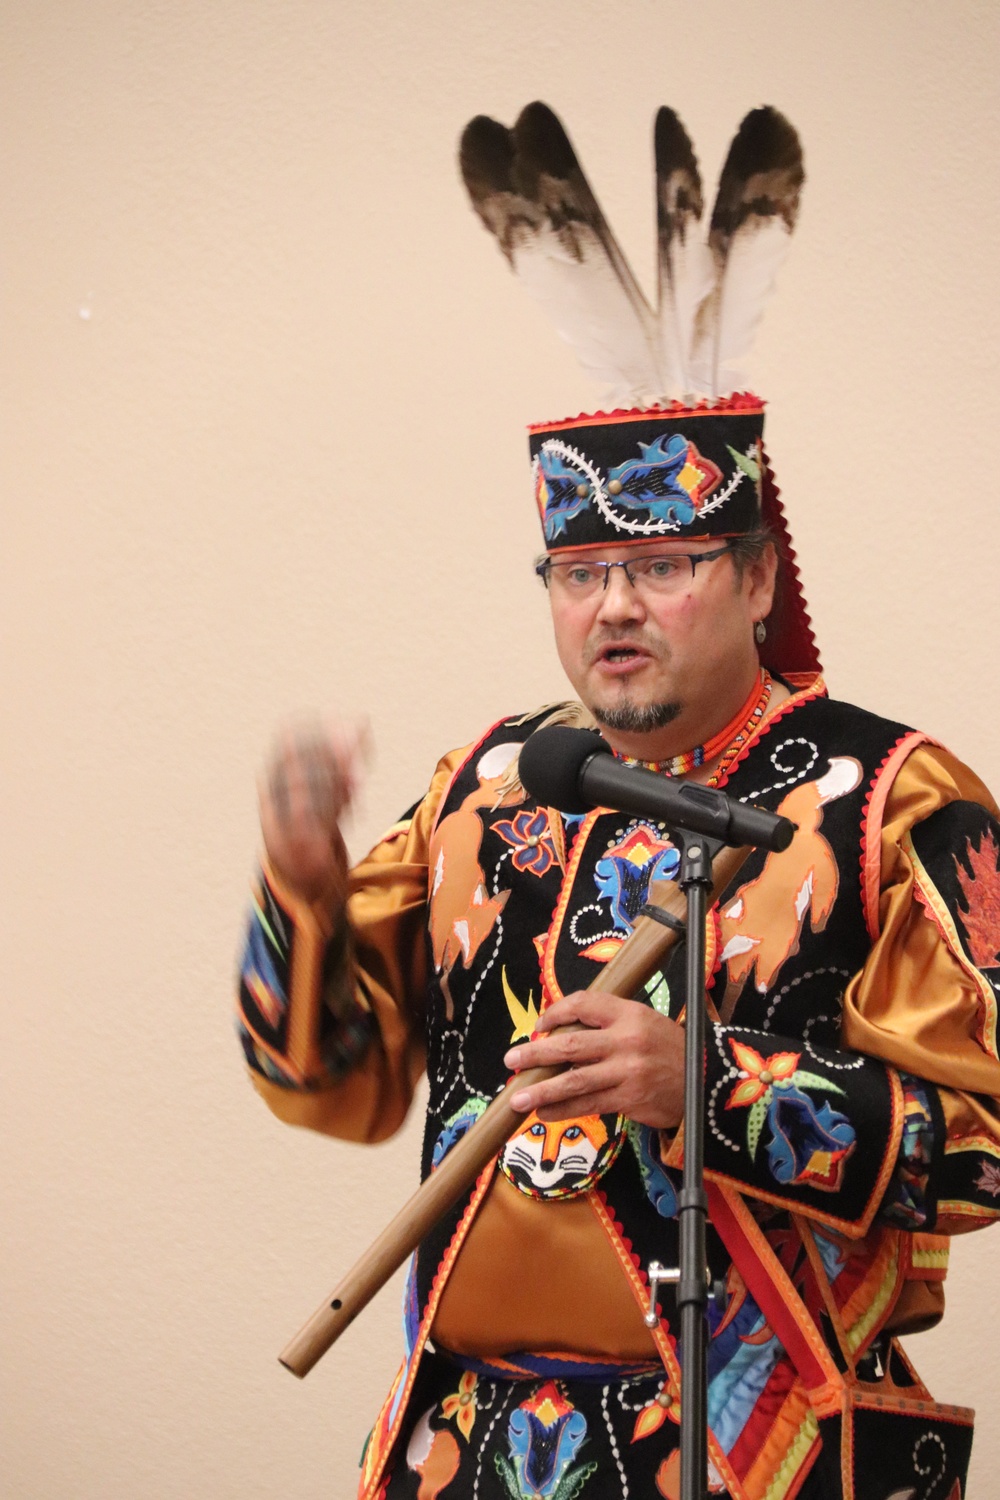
(667,574)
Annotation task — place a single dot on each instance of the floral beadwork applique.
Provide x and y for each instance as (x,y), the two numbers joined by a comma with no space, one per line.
(666,1403)
(988,1180)
(624,874)
(544,1435)
(979,902)
(905,1203)
(657,1181)
(523,1014)
(657,992)
(457,1125)
(670,479)
(565,485)
(808,1146)
(530,837)
(461,1404)
(433,1454)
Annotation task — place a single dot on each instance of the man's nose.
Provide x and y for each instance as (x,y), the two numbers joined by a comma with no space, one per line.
(620,600)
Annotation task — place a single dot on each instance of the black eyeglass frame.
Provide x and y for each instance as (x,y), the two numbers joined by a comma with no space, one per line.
(543,567)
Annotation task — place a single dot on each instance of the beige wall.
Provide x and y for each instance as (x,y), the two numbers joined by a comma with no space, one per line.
(264,385)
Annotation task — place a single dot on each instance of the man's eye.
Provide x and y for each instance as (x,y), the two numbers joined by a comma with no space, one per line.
(661,567)
(580,577)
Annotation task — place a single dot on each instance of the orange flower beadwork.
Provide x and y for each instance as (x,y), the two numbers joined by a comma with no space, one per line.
(665,1404)
(461,1404)
(761,1073)
(808,1146)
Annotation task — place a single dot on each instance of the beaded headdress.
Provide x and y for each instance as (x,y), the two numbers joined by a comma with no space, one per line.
(681,453)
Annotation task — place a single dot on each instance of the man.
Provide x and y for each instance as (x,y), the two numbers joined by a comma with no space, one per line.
(852,1059)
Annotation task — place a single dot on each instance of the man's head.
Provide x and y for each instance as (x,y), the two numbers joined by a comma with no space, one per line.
(657,638)
(677,460)
(674,480)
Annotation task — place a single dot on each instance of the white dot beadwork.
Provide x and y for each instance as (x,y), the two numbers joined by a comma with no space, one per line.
(791,775)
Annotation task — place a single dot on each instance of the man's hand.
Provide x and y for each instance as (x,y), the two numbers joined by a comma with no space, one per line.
(307,787)
(629,1061)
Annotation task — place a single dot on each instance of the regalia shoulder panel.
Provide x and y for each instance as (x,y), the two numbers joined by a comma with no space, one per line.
(495,868)
(802,915)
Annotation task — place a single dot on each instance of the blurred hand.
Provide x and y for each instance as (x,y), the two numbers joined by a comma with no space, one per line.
(306,790)
(629,1060)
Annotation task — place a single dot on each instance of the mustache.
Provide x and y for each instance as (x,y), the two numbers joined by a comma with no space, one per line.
(624,636)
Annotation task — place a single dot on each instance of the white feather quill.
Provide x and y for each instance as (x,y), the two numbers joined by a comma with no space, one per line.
(685,263)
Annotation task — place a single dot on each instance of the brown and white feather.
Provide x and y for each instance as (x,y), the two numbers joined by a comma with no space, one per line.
(528,188)
(755,211)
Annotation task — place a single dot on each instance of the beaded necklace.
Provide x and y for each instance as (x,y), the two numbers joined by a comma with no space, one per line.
(729,741)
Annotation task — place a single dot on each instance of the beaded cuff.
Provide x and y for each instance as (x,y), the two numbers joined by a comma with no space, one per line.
(909,1203)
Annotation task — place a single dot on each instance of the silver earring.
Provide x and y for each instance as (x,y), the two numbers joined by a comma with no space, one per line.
(760,632)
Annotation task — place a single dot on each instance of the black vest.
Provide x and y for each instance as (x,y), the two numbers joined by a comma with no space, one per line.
(555,928)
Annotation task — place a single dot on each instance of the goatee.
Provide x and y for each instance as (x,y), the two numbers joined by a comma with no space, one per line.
(636,718)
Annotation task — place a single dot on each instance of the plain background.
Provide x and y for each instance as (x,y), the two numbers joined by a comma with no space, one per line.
(264,386)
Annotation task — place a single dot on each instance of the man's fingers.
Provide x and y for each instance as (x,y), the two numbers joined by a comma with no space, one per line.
(595,1008)
(317,785)
(287,807)
(572,1047)
(352,746)
(278,789)
(588,1104)
(307,780)
(566,1091)
(628,1061)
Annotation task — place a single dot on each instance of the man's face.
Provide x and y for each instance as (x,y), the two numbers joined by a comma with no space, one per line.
(652,666)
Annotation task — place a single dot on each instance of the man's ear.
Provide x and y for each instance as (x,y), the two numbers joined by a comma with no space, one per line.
(762,573)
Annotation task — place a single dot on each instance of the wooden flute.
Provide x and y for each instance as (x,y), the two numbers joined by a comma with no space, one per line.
(635,962)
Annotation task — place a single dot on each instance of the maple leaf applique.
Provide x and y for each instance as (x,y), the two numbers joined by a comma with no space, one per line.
(988,1180)
(979,907)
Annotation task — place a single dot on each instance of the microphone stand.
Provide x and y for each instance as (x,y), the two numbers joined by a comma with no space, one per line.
(691,1277)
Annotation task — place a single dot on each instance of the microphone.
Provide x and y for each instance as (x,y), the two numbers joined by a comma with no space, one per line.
(574,771)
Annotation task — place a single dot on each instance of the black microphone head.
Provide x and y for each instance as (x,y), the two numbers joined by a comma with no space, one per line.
(550,763)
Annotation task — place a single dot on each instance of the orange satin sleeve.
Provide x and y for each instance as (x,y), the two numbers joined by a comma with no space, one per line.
(386,913)
(916,1003)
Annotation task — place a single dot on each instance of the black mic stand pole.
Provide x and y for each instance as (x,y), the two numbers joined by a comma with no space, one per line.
(695,881)
(691,1279)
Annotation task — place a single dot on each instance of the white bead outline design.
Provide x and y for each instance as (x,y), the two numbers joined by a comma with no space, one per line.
(931,1437)
(732,1071)
(489,1432)
(791,779)
(779,995)
(652,527)
(461,1035)
(605,1392)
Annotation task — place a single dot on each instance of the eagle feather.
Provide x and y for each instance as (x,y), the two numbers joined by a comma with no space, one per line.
(528,188)
(755,211)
